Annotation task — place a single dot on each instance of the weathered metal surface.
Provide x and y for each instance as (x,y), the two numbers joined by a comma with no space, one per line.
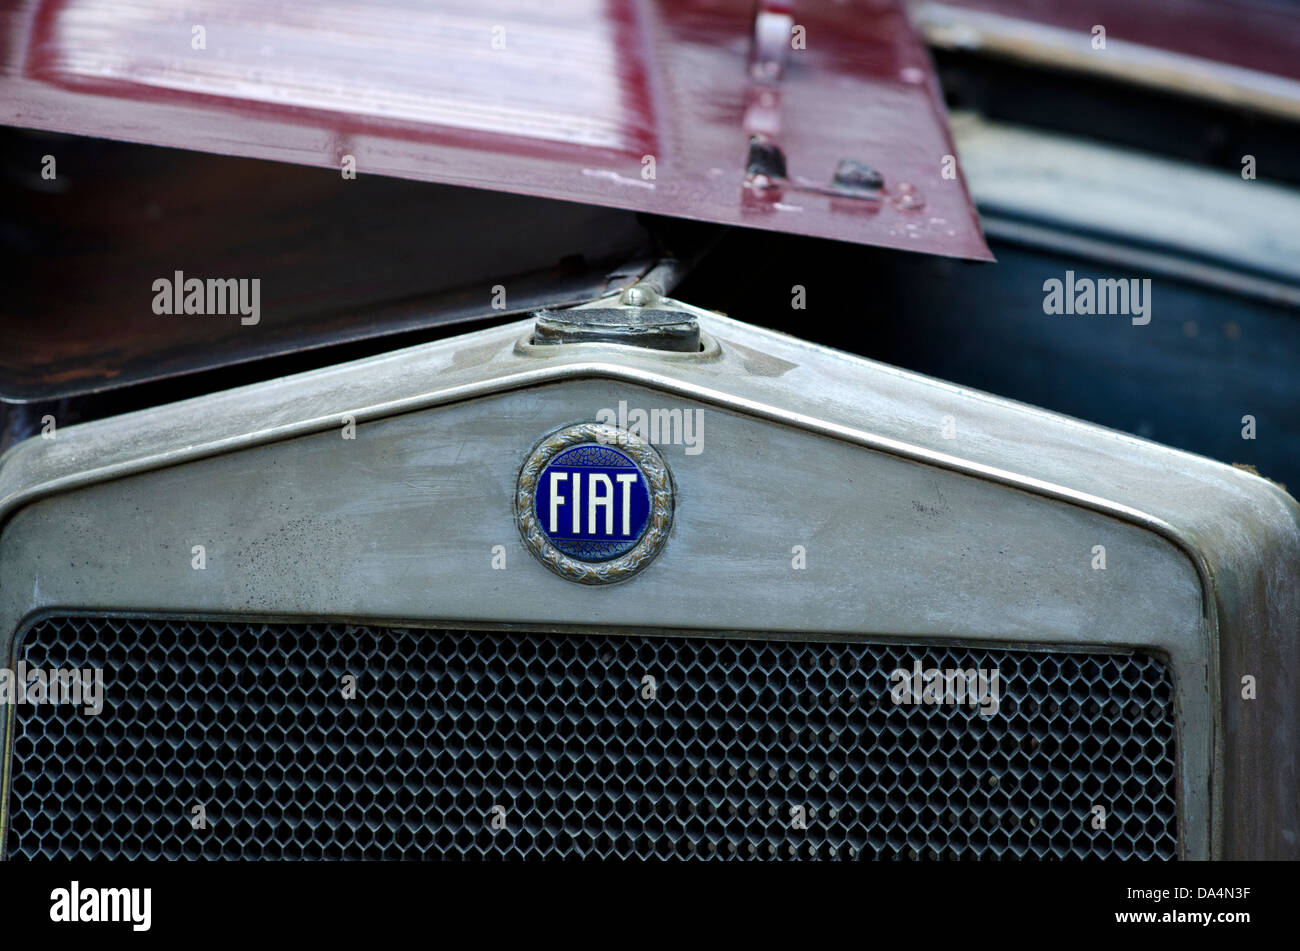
(628,104)
(896,550)
(985,537)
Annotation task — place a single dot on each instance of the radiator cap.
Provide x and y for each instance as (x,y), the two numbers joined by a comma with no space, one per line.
(640,317)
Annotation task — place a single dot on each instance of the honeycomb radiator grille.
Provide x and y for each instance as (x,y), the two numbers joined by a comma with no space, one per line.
(501,744)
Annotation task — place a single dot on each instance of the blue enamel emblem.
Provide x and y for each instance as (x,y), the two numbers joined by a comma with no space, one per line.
(593,502)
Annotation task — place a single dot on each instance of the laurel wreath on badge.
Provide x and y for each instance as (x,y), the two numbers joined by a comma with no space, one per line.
(660,483)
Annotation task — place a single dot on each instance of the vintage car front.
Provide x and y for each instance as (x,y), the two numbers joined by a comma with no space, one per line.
(525,593)
(291,570)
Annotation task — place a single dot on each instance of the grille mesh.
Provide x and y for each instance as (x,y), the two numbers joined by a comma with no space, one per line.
(250,722)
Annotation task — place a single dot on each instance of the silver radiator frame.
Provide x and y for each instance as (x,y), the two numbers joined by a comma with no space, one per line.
(1210,584)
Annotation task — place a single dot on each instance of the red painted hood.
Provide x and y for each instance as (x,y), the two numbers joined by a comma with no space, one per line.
(655,107)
